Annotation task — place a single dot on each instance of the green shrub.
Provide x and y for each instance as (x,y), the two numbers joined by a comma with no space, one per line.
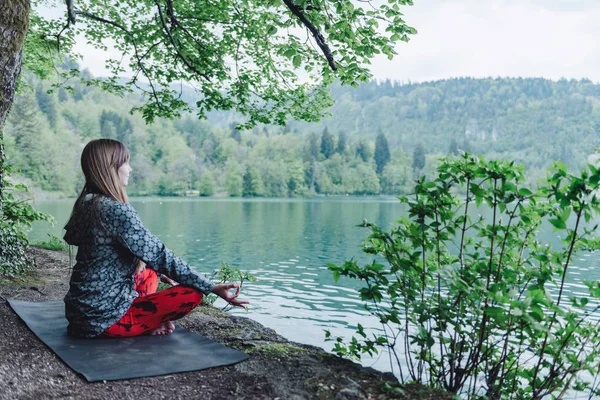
(227,274)
(13,258)
(16,217)
(53,243)
(464,300)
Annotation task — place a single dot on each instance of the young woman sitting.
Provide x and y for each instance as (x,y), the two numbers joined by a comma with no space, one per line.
(114,281)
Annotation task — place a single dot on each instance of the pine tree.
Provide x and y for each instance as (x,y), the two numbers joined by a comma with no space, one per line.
(363,150)
(47,104)
(247,184)
(235,133)
(382,153)
(63,96)
(313,146)
(327,147)
(341,145)
(419,158)
(27,129)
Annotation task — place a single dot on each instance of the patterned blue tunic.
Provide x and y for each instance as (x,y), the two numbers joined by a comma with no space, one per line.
(110,238)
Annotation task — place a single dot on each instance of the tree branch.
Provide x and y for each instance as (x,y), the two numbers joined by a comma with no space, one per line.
(71,12)
(297,11)
(172,40)
(175,23)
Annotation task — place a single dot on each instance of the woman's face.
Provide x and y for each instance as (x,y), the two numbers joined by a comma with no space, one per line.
(124,172)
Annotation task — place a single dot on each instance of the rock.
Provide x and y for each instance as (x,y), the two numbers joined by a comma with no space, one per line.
(349,394)
(349,383)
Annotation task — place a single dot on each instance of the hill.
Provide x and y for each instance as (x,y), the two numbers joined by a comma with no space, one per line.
(532,121)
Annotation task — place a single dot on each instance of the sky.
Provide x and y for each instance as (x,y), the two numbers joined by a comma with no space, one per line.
(485,38)
(507,38)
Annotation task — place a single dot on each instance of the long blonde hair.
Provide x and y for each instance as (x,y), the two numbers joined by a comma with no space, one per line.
(100,162)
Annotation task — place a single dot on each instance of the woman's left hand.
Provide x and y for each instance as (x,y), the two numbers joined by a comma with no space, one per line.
(223,291)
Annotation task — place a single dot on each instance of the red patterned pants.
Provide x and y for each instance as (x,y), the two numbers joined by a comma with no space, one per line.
(153,309)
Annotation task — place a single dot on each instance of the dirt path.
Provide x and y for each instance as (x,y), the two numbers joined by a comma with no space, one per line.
(276,368)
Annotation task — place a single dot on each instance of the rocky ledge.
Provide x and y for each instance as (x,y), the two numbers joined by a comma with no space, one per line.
(276,369)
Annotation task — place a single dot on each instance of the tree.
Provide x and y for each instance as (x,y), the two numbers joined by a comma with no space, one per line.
(327,147)
(234,180)
(47,104)
(252,183)
(235,133)
(393,178)
(323,183)
(453,147)
(14,20)
(296,180)
(25,123)
(172,41)
(63,96)
(419,157)
(341,144)
(363,150)
(361,180)
(313,146)
(382,152)
(207,184)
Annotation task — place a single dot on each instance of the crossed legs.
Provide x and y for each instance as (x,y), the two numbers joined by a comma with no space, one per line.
(152,312)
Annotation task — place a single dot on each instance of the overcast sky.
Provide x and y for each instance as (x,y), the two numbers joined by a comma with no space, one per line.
(482,38)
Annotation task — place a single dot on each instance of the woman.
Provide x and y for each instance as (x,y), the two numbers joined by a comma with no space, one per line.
(113,284)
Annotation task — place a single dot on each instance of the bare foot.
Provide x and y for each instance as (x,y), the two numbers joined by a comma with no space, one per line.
(170,327)
(165,329)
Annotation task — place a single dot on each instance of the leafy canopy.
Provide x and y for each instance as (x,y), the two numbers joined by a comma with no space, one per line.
(266,59)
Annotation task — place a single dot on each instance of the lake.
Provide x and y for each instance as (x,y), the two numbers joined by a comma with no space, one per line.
(286,244)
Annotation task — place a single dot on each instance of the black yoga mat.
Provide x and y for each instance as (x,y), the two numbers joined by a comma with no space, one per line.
(122,358)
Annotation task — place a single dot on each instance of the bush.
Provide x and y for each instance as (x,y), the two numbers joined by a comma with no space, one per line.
(13,258)
(464,300)
(16,217)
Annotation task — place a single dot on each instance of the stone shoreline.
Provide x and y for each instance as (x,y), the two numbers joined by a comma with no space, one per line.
(276,369)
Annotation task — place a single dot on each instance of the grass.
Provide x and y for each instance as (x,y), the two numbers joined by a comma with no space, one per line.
(54,243)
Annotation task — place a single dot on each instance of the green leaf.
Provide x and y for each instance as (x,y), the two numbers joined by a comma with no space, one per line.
(297,60)
(494,312)
(558,223)
(524,192)
(289,53)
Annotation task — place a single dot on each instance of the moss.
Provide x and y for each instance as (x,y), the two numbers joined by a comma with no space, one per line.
(210,310)
(229,332)
(279,349)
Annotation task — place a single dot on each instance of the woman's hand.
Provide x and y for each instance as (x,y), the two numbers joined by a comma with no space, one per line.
(167,280)
(223,292)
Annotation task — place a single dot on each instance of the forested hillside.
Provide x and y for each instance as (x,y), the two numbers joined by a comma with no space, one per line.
(379,138)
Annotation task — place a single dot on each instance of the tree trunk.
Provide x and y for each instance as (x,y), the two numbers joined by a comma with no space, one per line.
(14,19)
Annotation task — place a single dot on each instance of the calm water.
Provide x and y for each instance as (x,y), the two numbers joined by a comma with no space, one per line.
(286,244)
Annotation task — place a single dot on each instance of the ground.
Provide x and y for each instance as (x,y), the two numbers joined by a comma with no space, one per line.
(276,369)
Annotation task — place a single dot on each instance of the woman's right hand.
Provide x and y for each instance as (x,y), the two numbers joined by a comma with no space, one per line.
(223,291)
